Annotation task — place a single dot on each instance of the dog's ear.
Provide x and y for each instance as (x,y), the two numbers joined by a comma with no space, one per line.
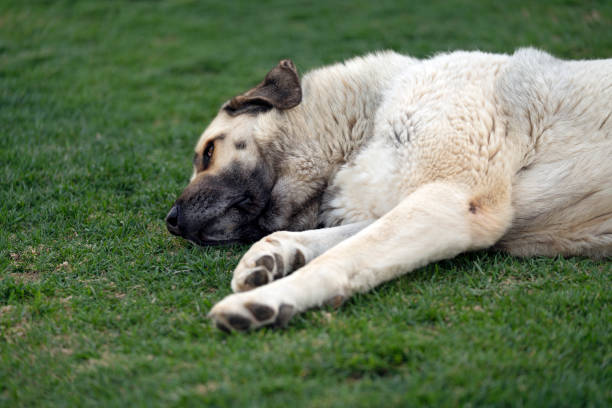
(280,89)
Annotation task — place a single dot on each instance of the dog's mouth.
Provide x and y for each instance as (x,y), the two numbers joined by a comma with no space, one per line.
(247,235)
(205,235)
(206,241)
(219,242)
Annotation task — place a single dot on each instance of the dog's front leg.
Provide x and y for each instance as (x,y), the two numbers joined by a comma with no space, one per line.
(284,252)
(437,221)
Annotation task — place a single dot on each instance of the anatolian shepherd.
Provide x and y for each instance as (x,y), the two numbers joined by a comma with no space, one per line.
(371,168)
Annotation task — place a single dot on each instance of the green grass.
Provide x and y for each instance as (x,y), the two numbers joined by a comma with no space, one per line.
(101,103)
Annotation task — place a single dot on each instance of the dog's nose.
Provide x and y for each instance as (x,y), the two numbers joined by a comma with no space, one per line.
(172,220)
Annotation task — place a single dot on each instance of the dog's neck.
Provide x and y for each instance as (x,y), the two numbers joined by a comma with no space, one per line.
(337,112)
(308,144)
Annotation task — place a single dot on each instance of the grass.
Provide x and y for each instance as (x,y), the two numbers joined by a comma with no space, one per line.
(100,105)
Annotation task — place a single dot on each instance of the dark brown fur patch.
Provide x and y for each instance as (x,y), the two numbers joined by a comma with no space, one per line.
(280,89)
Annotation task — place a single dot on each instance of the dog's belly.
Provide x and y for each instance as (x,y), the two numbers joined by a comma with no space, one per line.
(563,207)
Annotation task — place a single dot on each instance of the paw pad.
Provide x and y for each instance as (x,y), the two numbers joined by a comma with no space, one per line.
(266,261)
(285,313)
(257,277)
(260,315)
(298,261)
(238,322)
(260,312)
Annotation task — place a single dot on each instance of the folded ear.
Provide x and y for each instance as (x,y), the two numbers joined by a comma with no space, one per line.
(280,89)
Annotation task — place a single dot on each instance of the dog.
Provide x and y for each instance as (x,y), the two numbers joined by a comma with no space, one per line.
(365,170)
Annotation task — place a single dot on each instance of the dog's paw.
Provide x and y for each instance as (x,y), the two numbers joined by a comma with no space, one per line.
(241,313)
(271,258)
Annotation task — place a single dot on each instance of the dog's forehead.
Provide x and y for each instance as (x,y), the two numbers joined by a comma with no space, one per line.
(231,127)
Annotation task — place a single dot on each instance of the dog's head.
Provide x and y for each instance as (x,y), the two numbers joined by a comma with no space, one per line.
(232,180)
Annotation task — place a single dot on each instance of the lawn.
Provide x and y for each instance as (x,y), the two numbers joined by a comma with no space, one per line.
(101,103)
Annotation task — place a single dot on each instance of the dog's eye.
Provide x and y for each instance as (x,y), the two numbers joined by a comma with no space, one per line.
(244,204)
(206,156)
(209,150)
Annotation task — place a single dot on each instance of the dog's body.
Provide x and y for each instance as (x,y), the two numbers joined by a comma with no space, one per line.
(403,162)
